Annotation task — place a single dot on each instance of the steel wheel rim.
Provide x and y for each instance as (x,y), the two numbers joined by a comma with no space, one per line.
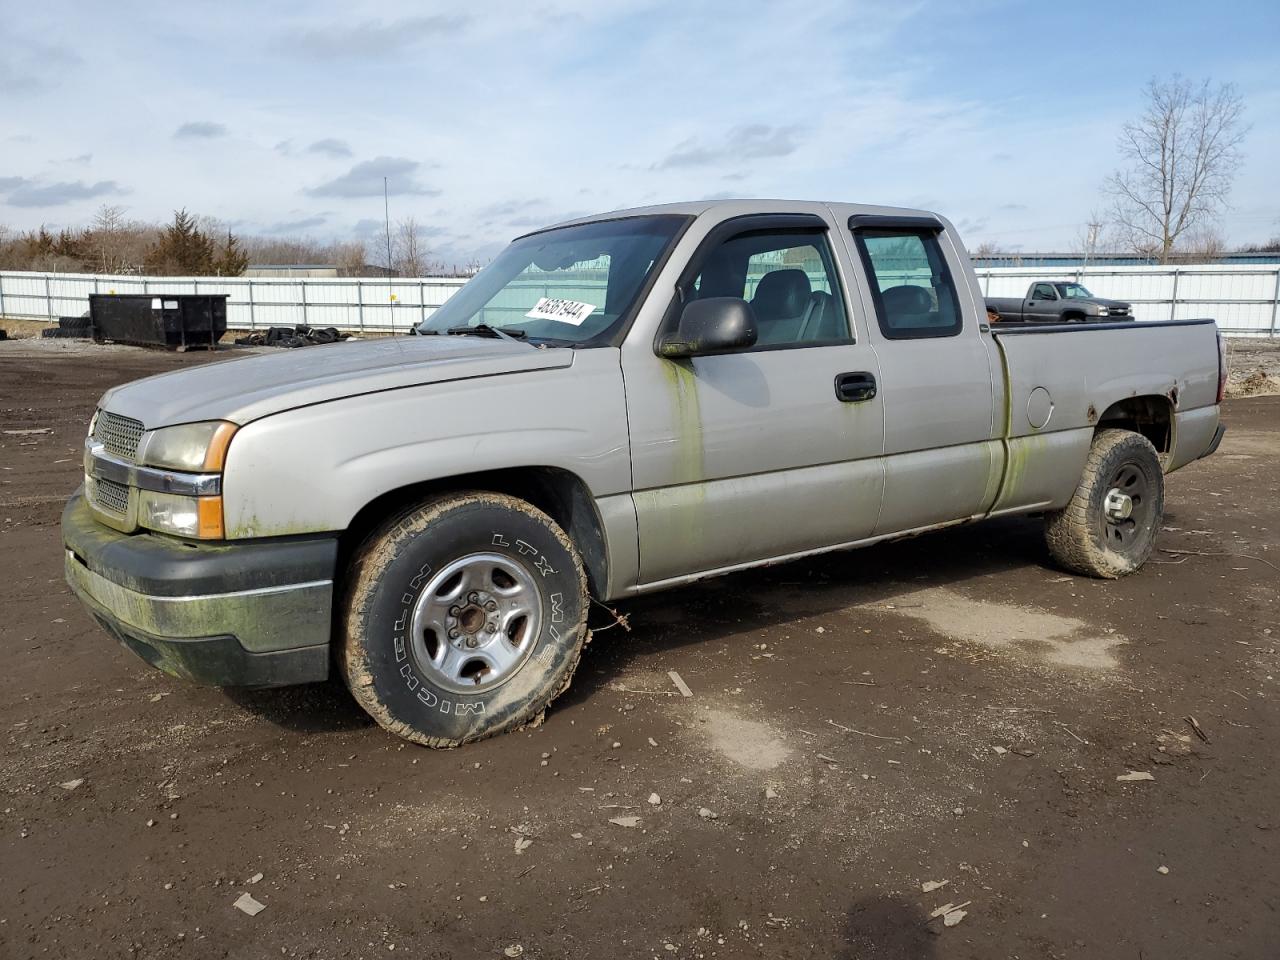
(1126,508)
(476,623)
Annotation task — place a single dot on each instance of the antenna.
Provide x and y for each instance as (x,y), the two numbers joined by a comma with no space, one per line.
(386,209)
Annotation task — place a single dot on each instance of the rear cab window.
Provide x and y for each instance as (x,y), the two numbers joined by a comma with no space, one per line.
(912,287)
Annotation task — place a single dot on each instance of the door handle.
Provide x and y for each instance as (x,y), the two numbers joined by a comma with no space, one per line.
(855,387)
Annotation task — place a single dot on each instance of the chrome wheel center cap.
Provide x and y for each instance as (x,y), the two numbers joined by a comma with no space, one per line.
(1118,505)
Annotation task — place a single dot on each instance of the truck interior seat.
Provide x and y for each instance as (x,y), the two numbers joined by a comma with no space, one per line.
(907,305)
(821,319)
(781,304)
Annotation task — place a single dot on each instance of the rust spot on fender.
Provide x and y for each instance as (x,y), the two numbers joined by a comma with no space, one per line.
(1092,414)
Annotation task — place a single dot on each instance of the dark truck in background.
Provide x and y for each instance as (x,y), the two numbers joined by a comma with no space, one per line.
(1056,301)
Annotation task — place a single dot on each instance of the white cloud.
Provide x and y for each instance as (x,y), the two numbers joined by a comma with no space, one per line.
(751,141)
(367,179)
(331,147)
(491,125)
(30,193)
(370,38)
(200,130)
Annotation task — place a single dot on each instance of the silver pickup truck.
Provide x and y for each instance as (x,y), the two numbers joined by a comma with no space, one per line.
(615,405)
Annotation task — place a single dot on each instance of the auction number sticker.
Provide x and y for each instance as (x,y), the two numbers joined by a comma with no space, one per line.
(564,311)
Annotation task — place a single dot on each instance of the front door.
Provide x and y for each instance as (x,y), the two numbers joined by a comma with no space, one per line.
(753,455)
(1044,303)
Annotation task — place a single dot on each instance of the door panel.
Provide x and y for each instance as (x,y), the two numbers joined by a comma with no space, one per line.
(1042,308)
(936,376)
(748,456)
(726,523)
(938,421)
(927,487)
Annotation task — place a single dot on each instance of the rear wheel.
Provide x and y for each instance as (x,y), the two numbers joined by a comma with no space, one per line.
(1110,525)
(465,617)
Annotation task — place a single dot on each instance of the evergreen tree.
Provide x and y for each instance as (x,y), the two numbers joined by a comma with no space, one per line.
(183,249)
(231,260)
(69,245)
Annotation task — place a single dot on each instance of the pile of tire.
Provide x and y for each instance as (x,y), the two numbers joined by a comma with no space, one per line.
(300,336)
(72,328)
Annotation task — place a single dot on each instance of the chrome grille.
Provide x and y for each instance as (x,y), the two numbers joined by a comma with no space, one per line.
(120,435)
(110,495)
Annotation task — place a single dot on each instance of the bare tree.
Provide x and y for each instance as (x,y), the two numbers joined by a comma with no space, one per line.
(105,234)
(410,250)
(1181,156)
(108,219)
(349,258)
(1203,245)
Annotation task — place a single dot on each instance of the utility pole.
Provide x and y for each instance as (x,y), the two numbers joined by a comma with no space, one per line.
(386,209)
(1091,241)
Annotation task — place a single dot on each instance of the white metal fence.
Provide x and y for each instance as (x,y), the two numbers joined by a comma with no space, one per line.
(252,302)
(1245,299)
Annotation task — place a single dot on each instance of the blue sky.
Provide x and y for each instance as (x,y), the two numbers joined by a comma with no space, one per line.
(491,118)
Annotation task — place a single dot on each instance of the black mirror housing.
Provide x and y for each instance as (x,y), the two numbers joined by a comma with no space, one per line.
(710,326)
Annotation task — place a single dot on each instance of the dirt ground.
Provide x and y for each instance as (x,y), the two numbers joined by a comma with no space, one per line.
(1253,367)
(950,708)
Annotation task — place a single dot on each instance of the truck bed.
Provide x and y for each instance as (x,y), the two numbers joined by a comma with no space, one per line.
(1079,376)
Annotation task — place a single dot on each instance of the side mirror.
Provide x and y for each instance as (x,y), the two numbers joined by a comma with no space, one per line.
(710,326)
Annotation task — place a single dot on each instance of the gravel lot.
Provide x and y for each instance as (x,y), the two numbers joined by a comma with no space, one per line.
(950,708)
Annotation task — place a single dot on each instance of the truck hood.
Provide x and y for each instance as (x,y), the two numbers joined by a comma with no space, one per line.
(1102,302)
(248,388)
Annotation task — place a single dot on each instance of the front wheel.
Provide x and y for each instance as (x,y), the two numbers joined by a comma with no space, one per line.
(465,617)
(1109,527)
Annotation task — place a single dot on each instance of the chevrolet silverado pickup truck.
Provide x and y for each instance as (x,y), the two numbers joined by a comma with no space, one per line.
(615,405)
(1056,302)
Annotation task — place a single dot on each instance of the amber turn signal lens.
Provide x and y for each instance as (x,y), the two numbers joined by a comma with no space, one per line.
(216,456)
(210,518)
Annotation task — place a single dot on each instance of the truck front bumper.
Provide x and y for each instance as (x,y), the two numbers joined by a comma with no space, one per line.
(255,614)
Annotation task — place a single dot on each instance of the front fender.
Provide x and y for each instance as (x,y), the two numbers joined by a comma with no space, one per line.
(312,469)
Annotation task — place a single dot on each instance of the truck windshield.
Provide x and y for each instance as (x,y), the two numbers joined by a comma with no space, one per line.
(568,286)
(1073,291)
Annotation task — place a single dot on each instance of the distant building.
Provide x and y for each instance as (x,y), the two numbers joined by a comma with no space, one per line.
(1048,260)
(284,271)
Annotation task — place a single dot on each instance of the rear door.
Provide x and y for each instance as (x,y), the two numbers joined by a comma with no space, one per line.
(769,451)
(942,459)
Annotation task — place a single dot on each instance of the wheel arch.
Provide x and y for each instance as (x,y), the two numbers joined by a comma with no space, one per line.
(559,493)
(1149,415)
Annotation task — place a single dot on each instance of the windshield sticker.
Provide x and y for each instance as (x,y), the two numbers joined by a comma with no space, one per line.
(565,311)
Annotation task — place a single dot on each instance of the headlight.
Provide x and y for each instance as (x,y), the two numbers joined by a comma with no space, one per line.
(192,447)
(1101,309)
(93,421)
(196,517)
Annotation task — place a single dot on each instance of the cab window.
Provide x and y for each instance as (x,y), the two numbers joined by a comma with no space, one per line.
(912,288)
(789,279)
